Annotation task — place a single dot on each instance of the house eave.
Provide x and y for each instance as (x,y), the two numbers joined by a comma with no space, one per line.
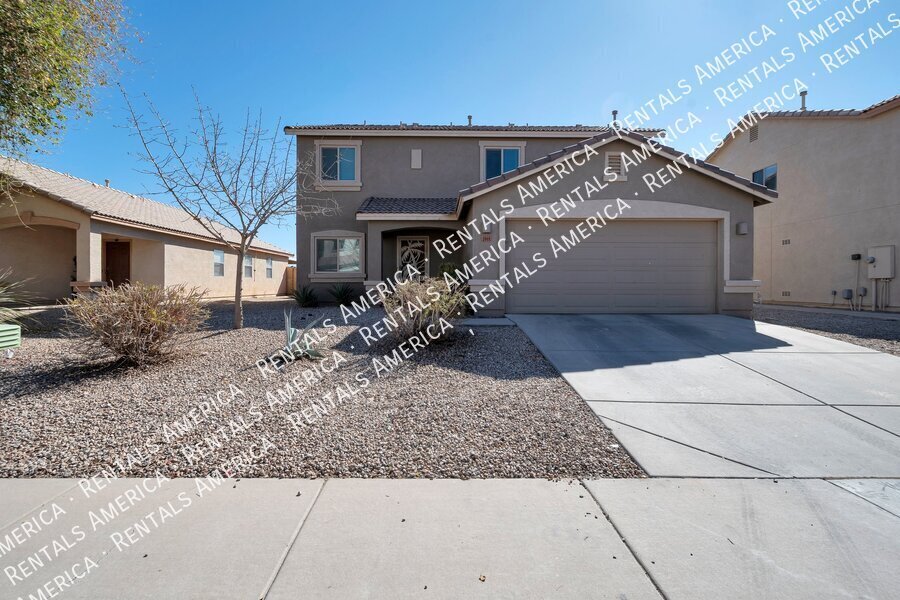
(405,217)
(759,197)
(576,135)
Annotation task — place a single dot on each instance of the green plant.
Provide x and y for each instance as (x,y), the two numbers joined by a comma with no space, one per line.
(298,343)
(343,293)
(12,297)
(138,323)
(448,267)
(306,297)
(433,300)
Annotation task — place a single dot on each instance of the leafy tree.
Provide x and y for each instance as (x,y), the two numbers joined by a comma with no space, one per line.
(54,54)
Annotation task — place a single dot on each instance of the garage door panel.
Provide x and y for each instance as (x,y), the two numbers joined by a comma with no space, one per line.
(629,266)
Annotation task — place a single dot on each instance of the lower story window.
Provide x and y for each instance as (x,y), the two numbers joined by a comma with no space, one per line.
(269,269)
(218,263)
(248,266)
(338,255)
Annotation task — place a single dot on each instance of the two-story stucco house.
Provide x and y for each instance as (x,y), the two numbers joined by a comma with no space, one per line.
(837,173)
(440,195)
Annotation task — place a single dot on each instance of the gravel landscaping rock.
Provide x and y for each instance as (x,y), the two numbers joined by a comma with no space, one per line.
(878,334)
(483,404)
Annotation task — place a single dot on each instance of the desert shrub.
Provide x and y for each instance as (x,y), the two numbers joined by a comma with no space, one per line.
(12,298)
(343,293)
(138,323)
(437,298)
(306,297)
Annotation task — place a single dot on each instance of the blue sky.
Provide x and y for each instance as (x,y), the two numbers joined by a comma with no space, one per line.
(431,62)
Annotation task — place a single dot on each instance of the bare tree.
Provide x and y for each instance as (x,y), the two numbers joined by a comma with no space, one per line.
(230,190)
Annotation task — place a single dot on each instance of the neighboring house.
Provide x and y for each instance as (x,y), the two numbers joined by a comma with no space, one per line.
(66,233)
(837,173)
(396,199)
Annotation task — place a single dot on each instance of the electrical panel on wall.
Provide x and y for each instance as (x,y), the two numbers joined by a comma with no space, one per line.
(883,266)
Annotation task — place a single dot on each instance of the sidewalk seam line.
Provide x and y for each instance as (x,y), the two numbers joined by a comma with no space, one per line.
(290,546)
(624,541)
(18,520)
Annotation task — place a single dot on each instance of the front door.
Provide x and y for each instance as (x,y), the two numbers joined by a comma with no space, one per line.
(413,251)
(118,262)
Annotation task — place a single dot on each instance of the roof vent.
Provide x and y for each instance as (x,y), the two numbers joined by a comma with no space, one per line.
(803,99)
(615,116)
(470,120)
(106,181)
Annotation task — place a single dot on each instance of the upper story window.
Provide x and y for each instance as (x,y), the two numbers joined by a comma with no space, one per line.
(338,164)
(248,266)
(218,263)
(269,268)
(498,158)
(767,177)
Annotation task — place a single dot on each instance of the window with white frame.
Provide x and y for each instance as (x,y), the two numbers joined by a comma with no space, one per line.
(498,158)
(269,268)
(338,163)
(218,263)
(248,266)
(337,254)
(615,167)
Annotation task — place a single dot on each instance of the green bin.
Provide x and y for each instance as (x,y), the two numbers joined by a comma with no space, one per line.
(10,336)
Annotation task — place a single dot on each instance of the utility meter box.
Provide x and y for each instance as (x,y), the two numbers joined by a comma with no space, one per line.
(883,267)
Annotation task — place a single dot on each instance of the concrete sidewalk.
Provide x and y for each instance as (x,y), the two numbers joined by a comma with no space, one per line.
(638,538)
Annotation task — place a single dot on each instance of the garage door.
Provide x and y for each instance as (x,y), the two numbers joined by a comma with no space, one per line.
(628,267)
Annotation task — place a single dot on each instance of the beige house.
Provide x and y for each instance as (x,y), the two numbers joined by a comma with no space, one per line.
(419,195)
(65,234)
(837,173)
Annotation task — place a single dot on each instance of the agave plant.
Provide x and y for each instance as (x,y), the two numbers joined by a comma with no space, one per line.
(306,297)
(343,293)
(297,342)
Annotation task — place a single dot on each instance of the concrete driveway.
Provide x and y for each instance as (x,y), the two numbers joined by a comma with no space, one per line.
(718,396)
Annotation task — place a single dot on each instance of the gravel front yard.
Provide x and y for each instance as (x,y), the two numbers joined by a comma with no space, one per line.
(482,405)
(878,334)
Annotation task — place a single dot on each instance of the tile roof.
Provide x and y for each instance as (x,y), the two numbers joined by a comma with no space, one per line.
(427,206)
(512,128)
(105,201)
(607,135)
(841,112)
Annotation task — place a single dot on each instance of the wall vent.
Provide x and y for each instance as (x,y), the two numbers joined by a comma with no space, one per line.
(615,169)
(754,133)
(785,294)
(786,242)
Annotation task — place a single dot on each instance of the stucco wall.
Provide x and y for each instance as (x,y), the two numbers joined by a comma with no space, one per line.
(838,182)
(44,256)
(449,164)
(689,189)
(148,261)
(191,263)
(41,253)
